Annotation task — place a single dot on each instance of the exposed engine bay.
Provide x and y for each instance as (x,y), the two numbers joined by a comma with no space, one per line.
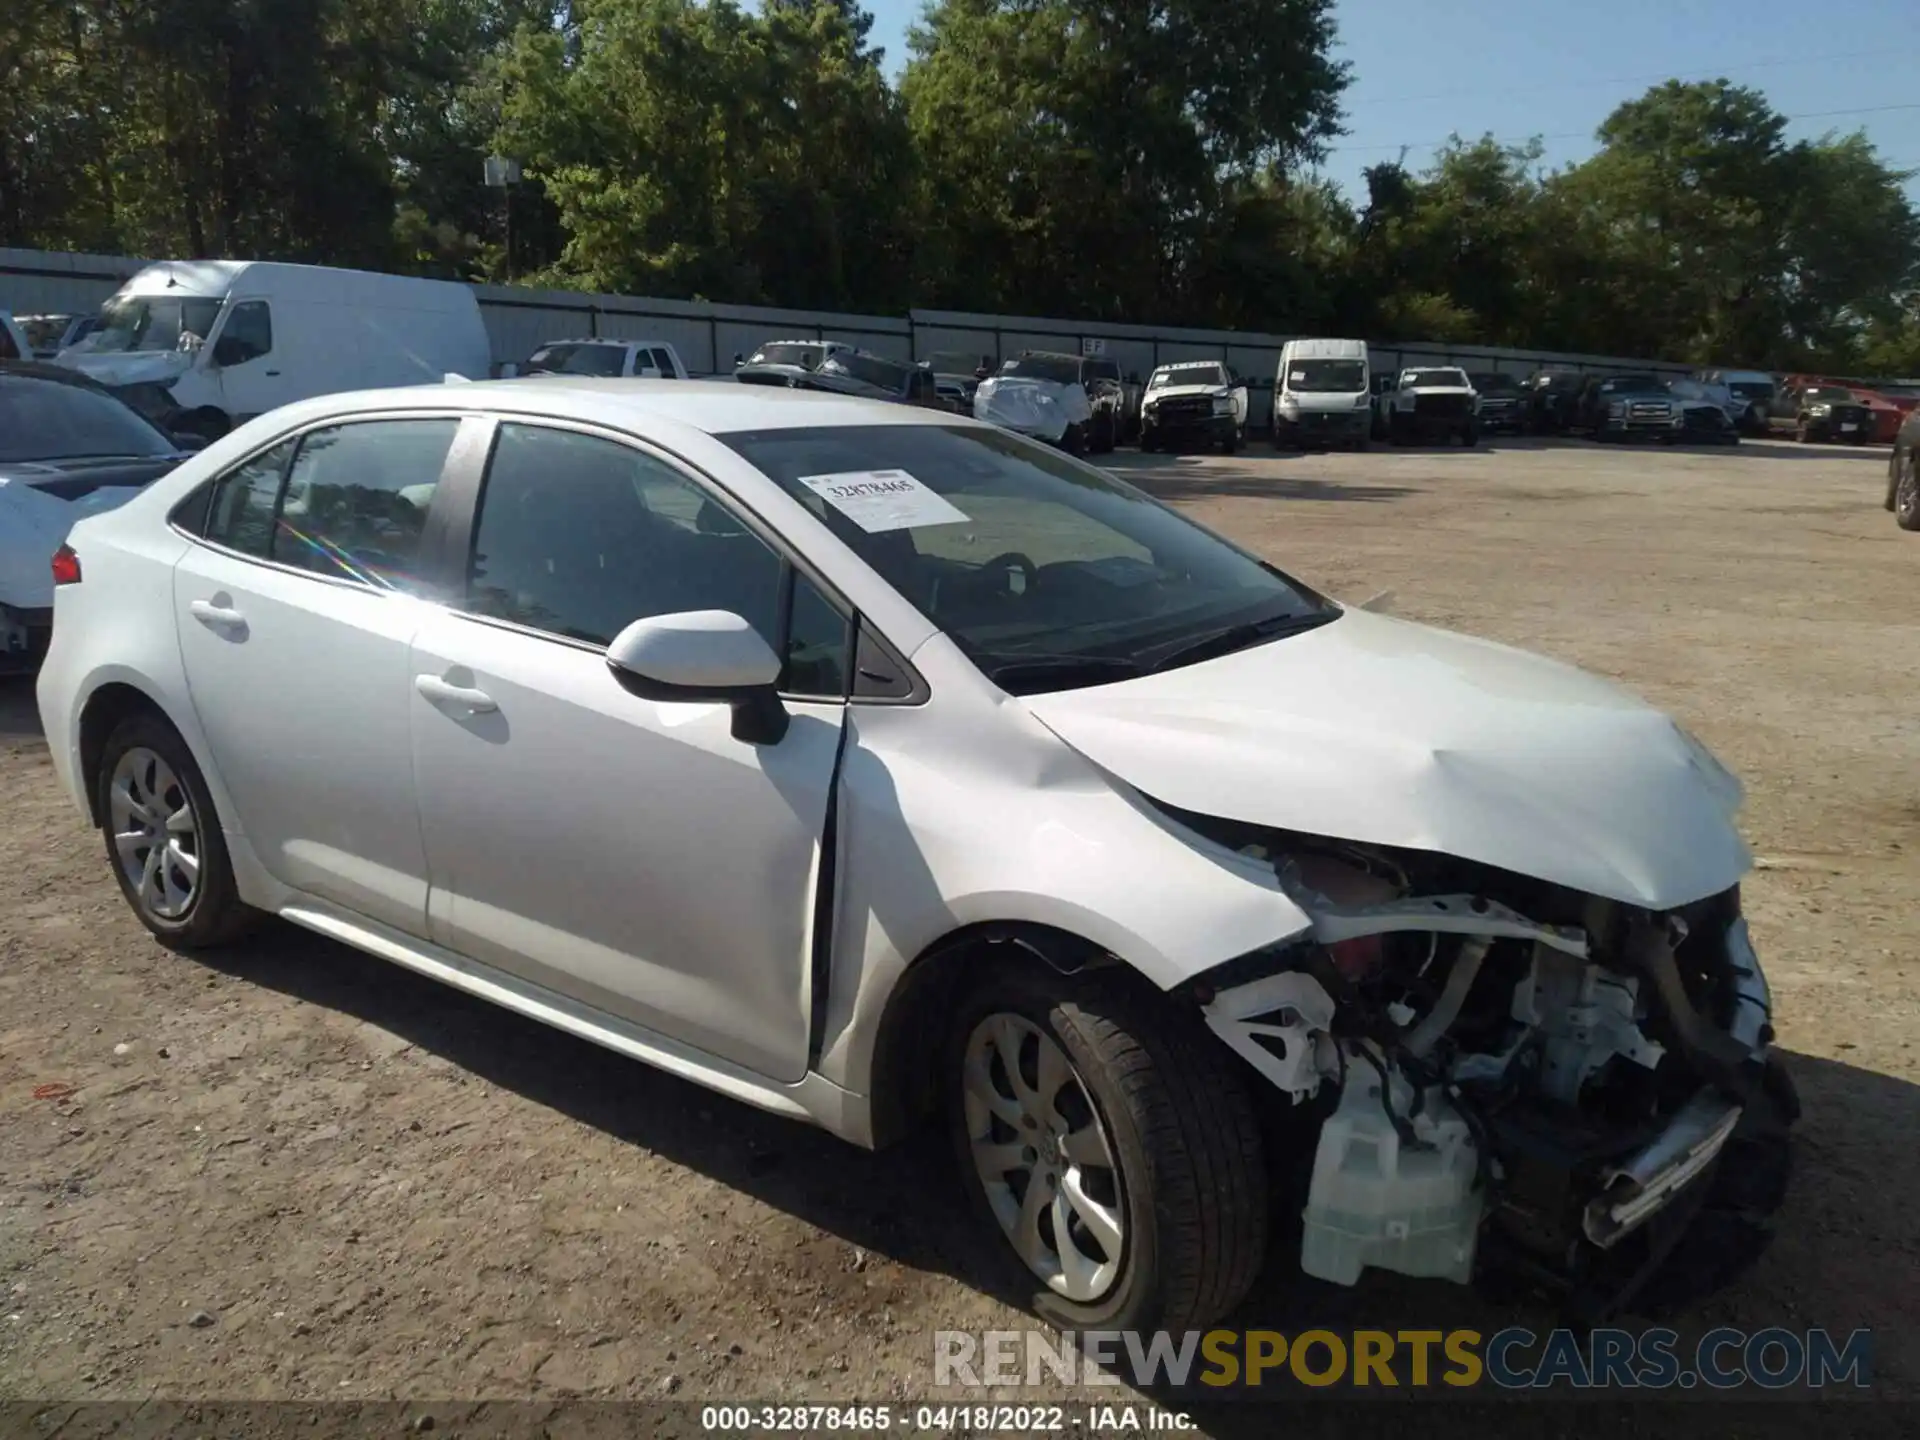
(1517,1085)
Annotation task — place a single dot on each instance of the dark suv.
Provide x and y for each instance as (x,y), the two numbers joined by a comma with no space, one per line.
(1503,404)
(1824,412)
(1551,399)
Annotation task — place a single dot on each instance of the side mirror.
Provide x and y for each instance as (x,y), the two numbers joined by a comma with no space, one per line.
(186,442)
(704,655)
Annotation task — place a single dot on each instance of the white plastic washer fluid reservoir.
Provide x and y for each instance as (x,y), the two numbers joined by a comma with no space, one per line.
(1375,1202)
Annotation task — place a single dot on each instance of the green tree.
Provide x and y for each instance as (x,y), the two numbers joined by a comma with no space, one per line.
(1076,153)
(698,149)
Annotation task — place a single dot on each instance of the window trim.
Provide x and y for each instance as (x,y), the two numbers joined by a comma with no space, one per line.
(464,487)
(211,485)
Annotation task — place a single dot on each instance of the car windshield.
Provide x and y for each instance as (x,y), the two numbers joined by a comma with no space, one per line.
(807,357)
(577,360)
(154,322)
(1630,382)
(1204,373)
(1416,378)
(1063,369)
(1751,389)
(1340,376)
(1046,572)
(58,420)
(43,332)
(1488,384)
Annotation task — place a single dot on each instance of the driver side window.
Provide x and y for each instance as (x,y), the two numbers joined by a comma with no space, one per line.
(580,536)
(247,335)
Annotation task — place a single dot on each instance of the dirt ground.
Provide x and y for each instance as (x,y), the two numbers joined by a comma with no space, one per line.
(296,1172)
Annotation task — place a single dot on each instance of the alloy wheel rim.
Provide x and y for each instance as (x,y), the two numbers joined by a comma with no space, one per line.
(156,836)
(1043,1157)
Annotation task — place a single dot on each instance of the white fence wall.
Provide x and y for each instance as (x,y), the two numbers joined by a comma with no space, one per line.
(708,336)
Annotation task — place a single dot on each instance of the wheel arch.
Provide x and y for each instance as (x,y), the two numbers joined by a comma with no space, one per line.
(108,705)
(901,1079)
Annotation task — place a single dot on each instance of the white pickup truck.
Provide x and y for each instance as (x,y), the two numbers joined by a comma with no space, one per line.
(1432,402)
(602,355)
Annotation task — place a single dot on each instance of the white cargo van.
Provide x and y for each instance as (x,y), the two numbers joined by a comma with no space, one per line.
(203,345)
(1321,395)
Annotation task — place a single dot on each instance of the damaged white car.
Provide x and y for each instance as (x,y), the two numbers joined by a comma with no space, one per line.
(1041,395)
(867,764)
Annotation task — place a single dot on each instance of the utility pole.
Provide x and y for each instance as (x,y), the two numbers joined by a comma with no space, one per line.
(503,174)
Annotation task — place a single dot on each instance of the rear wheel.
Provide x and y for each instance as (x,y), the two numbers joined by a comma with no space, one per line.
(1112,1144)
(163,837)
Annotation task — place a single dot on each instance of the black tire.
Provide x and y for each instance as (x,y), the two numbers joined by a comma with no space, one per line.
(1397,432)
(1191,1181)
(1104,437)
(215,914)
(1906,493)
(1074,440)
(1148,443)
(1470,436)
(1802,433)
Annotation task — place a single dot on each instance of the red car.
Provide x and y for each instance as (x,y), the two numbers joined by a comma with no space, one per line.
(1888,412)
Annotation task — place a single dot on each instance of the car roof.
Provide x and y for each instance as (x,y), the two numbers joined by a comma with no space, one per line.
(715,407)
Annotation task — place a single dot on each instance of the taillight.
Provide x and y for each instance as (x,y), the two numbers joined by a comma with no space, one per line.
(66,566)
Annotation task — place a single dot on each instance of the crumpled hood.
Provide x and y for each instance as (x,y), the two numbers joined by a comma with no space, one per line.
(129,367)
(1379,731)
(1031,406)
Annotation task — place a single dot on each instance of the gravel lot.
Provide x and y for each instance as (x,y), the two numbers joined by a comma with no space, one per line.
(293,1171)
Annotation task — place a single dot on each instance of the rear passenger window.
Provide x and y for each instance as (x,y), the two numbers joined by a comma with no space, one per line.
(241,517)
(356,500)
(580,537)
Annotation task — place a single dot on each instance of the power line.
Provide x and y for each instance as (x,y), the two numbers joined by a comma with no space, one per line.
(1713,73)
(1583,134)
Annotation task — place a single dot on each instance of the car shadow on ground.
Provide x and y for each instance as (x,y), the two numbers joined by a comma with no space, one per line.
(906,1203)
(19,712)
(1183,477)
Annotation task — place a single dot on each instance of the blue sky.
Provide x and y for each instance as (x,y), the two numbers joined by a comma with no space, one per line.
(1425,68)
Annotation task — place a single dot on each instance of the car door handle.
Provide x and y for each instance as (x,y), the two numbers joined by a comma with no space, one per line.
(441,692)
(215,616)
(273,373)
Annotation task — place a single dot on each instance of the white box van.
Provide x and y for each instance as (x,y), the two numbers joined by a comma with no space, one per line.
(1321,395)
(200,346)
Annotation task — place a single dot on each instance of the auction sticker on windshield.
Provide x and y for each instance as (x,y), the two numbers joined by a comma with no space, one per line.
(880,500)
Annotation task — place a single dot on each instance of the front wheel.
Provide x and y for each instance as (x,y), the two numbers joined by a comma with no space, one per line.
(163,837)
(1470,436)
(1112,1143)
(1906,494)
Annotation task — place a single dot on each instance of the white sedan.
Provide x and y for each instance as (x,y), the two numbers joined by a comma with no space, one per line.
(865,763)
